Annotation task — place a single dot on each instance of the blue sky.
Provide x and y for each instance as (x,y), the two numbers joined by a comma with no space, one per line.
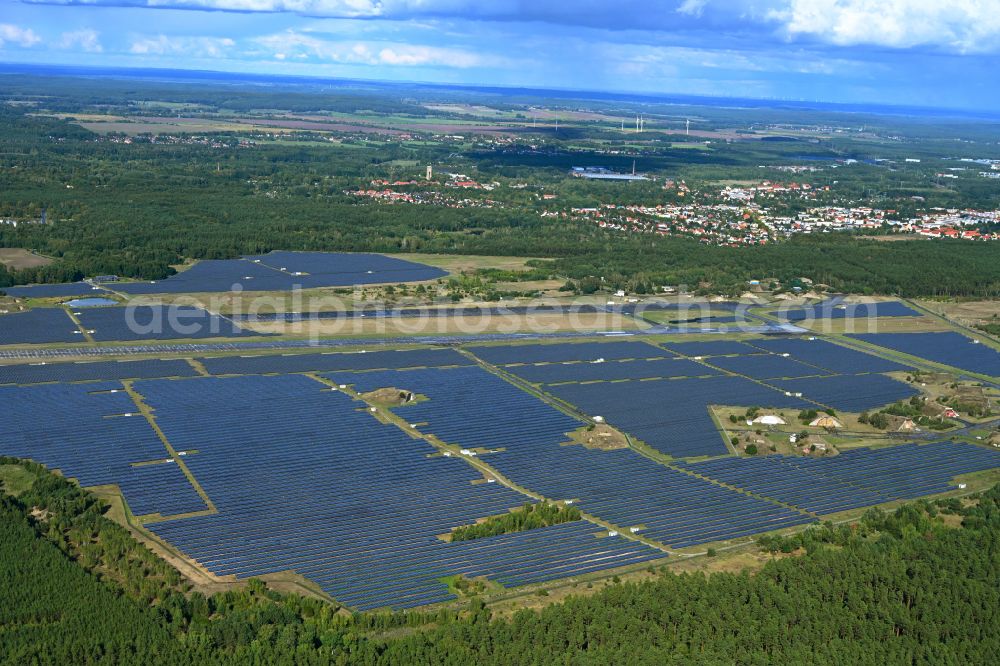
(942,53)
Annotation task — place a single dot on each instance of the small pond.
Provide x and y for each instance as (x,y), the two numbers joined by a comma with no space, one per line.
(90,302)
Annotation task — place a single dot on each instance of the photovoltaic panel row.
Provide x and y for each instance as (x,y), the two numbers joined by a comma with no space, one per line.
(470,407)
(427,312)
(902,472)
(672,416)
(766,366)
(53,290)
(561,352)
(948,348)
(827,355)
(629,490)
(157,322)
(333,269)
(551,373)
(36,373)
(288,363)
(214,275)
(618,486)
(850,393)
(711,348)
(767,476)
(306,481)
(851,311)
(93,435)
(38,326)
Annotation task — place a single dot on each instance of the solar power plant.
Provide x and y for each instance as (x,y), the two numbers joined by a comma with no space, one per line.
(470,406)
(156,322)
(629,490)
(766,366)
(949,348)
(851,311)
(711,348)
(828,356)
(800,487)
(850,393)
(38,326)
(288,363)
(276,272)
(35,373)
(53,290)
(905,471)
(214,275)
(561,352)
(553,373)
(672,415)
(325,269)
(305,481)
(83,430)
(473,408)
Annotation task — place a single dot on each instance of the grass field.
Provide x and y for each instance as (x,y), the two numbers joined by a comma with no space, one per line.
(18,258)
(14,479)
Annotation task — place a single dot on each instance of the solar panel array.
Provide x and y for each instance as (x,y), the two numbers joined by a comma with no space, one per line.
(561,352)
(552,373)
(37,373)
(672,415)
(850,393)
(473,408)
(53,290)
(905,471)
(766,366)
(850,311)
(157,322)
(303,480)
(275,272)
(38,326)
(286,363)
(949,348)
(828,355)
(630,490)
(710,348)
(83,431)
(470,406)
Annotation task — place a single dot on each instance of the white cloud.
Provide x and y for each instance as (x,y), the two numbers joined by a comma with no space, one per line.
(13,34)
(692,7)
(959,25)
(80,40)
(204,47)
(292,44)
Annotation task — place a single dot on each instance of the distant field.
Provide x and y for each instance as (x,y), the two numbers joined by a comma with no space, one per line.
(18,258)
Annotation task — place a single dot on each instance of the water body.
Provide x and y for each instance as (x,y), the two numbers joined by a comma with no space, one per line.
(90,302)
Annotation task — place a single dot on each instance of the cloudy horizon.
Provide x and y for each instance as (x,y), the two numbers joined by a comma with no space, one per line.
(902,52)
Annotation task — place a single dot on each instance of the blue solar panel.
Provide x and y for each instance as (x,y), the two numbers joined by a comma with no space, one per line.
(36,373)
(850,393)
(672,415)
(902,472)
(276,272)
(157,322)
(304,480)
(551,373)
(288,363)
(94,433)
(38,326)
(53,290)
(710,348)
(766,366)
(553,353)
(827,355)
(851,311)
(950,348)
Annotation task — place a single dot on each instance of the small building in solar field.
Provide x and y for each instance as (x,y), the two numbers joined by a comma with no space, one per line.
(770,420)
(826,421)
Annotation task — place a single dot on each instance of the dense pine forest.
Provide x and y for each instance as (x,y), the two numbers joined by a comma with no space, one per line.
(921,585)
